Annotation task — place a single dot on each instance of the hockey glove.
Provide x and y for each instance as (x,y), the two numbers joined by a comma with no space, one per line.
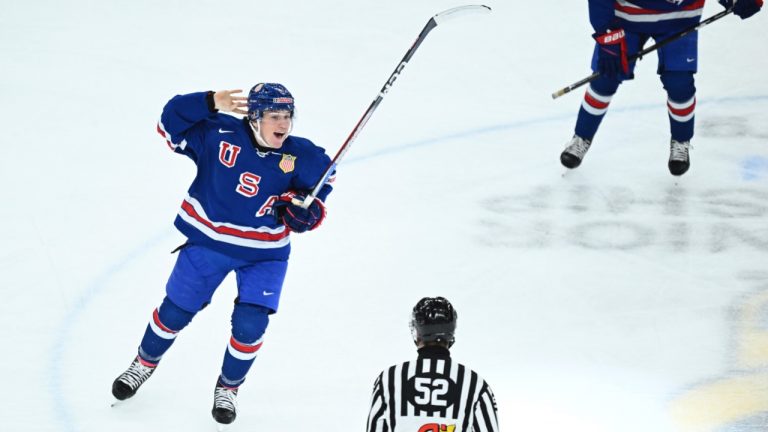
(294,217)
(743,8)
(612,55)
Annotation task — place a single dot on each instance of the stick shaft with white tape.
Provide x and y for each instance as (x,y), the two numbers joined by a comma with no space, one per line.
(432,23)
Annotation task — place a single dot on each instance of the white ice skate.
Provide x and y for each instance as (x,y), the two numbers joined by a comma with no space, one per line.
(573,154)
(224,405)
(679,160)
(126,385)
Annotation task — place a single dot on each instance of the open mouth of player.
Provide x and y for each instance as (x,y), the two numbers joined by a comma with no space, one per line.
(279,135)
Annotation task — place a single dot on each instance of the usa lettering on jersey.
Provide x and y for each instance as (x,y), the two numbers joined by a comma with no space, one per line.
(228,207)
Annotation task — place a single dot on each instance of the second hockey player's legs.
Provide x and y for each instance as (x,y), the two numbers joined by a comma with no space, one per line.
(677,66)
(681,104)
(595,104)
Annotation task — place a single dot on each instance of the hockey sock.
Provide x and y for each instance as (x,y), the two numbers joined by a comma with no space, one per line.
(249,322)
(594,106)
(166,322)
(681,103)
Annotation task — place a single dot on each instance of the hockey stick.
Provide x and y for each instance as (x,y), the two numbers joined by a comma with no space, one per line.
(432,23)
(639,56)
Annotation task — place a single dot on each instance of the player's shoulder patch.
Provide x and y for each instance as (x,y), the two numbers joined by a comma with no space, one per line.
(287,163)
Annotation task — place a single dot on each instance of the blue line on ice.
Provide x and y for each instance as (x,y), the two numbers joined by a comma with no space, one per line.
(571,117)
(61,339)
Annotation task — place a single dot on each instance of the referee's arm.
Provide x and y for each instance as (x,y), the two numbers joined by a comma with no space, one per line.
(486,419)
(377,417)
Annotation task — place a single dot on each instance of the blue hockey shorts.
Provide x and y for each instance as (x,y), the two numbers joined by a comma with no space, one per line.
(199,272)
(678,56)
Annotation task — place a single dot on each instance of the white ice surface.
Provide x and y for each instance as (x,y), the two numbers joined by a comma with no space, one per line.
(611,298)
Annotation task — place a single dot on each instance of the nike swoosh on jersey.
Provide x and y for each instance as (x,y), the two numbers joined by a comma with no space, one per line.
(225,131)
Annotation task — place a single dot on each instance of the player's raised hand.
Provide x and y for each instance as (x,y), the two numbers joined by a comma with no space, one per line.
(226,101)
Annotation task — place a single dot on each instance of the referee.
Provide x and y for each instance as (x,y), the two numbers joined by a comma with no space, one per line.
(432,393)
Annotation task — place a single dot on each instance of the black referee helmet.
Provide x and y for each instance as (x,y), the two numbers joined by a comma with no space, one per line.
(433,320)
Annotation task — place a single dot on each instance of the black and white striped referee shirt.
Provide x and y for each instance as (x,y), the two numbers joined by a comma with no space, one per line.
(432,394)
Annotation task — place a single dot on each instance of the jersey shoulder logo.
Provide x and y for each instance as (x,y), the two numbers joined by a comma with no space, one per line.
(287,163)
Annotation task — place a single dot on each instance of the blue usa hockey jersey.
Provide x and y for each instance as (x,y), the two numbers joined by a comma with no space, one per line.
(228,207)
(651,17)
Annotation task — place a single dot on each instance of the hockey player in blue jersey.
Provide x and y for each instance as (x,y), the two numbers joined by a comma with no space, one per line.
(237,216)
(621,28)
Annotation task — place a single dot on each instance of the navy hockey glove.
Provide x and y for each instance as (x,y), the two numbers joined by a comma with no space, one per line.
(294,217)
(612,55)
(743,8)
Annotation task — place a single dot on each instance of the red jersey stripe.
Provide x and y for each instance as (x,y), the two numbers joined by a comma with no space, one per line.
(640,11)
(252,235)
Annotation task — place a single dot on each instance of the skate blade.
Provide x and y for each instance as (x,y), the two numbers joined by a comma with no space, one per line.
(117,402)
